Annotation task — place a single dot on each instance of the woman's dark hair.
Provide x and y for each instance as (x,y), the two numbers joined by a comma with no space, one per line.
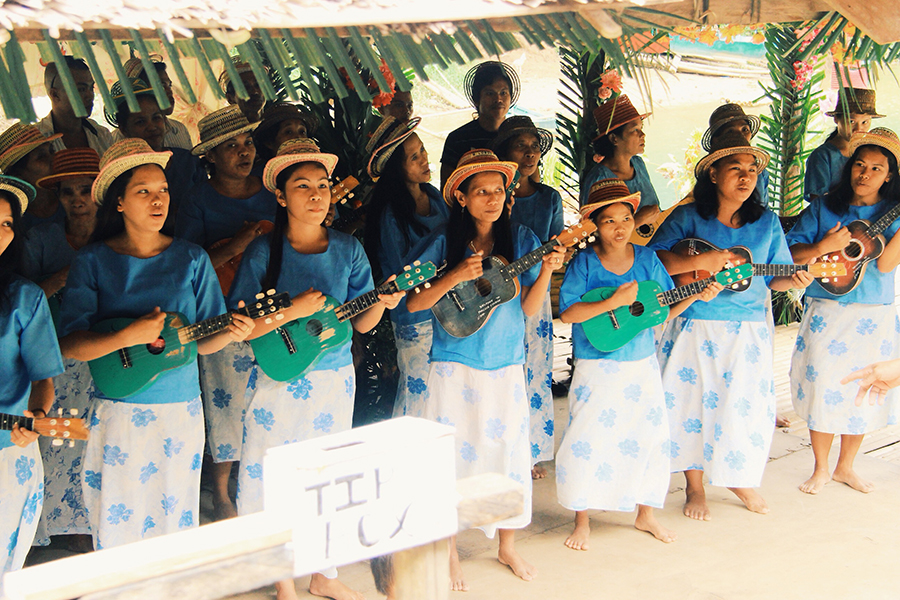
(276,237)
(461,231)
(706,199)
(110,222)
(391,192)
(485,76)
(603,145)
(838,198)
(11,259)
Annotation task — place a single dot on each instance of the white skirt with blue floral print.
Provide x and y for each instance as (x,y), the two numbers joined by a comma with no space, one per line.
(720,394)
(615,451)
(142,469)
(413,360)
(490,413)
(836,339)
(223,383)
(539,381)
(21,495)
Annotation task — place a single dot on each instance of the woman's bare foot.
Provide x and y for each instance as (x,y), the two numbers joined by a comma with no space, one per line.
(646,521)
(511,558)
(695,505)
(224,509)
(319,585)
(751,499)
(579,538)
(538,472)
(850,478)
(816,482)
(285,590)
(457,580)
(782,421)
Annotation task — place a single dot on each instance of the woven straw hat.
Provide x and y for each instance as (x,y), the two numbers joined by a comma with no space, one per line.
(880,136)
(502,69)
(22,190)
(606,192)
(615,113)
(276,113)
(18,140)
(480,160)
(292,152)
(141,89)
(70,164)
(135,68)
(725,114)
(240,66)
(220,126)
(387,138)
(515,126)
(728,145)
(860,101)
(122,156)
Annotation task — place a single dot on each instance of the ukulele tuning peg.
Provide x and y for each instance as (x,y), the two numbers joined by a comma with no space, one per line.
(417,263)
(407,268)
(71,443)
(57,442)
(260,296)
(279,317)
(582,245)
(270,293)
(268,320)
(427,285)
(73,412)
(59,412)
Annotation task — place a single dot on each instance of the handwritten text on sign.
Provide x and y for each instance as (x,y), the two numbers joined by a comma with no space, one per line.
(364,492)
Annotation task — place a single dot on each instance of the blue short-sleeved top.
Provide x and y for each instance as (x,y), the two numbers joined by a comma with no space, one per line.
(342,272)
(183,172)
(47,251)
(541,212)
(639,183)
(104,284)
(762,186)
(823,170)
(815,221)
(28,348)
(29,220)
(501,341)
(586,272)
(765,240)
(393,252)
(206,216)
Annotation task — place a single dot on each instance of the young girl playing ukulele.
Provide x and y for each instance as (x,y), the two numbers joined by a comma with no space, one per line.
(615,451)
(30,358)
(304,258)
(477,383)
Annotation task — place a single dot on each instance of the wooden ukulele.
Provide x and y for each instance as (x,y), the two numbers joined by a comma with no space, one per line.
(296,347)
(59,427)
(866,244)
(127,371)
(613,329)
(467,306)
(644,234)
(695,246)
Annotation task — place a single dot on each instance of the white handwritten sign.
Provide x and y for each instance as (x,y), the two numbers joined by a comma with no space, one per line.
(364,492)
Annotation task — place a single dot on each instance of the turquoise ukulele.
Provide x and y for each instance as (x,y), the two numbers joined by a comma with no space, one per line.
(126,372)
(613,329)
(294,348)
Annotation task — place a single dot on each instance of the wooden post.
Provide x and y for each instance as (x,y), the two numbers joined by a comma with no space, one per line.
(423,572)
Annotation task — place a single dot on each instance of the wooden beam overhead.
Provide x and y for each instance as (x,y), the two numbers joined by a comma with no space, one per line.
(878,19)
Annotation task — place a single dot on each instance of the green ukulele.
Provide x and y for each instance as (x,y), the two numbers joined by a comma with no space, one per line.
(127,371)
(613,329)
(293,349)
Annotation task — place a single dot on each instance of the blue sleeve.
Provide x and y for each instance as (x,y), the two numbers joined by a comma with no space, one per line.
(556,214)
(762,186)
(251,272)
(31,257)
(590,179)
(38,343)
(806,229)
(779,253)
(526,242)
(391,254)
(817,180)
(643,183)
(673,230)
(360,271)
(79,311)
(207,291)
(659,274)
(189,221)
(574,284)
(431,248)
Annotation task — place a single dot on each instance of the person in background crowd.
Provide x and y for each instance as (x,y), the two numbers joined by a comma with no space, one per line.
(400,107)
(281,121)
(25,153)
(252,106)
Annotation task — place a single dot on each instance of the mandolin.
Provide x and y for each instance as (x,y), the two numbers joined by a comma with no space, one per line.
(613,329)
(293,349)
(866,244)
(59,427)
(467,306)
(127,371)
(643,235)
(824,271)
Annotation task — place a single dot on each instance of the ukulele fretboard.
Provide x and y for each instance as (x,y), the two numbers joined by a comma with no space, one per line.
(670,297)
(516,268)
(764,270)
(884,222)
(363,303)
(7,422)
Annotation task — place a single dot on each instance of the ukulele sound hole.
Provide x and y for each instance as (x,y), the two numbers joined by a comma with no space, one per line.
(157,347)
(314,328)
(636,309)
(853,250)
(645,230)
(484,287)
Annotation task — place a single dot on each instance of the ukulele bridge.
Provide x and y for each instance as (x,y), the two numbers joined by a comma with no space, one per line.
(288,340)
(456,302)
(125,358)
(614,319)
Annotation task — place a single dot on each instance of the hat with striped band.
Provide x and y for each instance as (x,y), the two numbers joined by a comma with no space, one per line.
(386,139)
(123,156)
(880,136)
(141,89)
(615,113)
(220,126)
(606,192)
(729,144)
(722,116)
(18,140)
(480,160)
(295,151)
(71,163)
(22,190)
